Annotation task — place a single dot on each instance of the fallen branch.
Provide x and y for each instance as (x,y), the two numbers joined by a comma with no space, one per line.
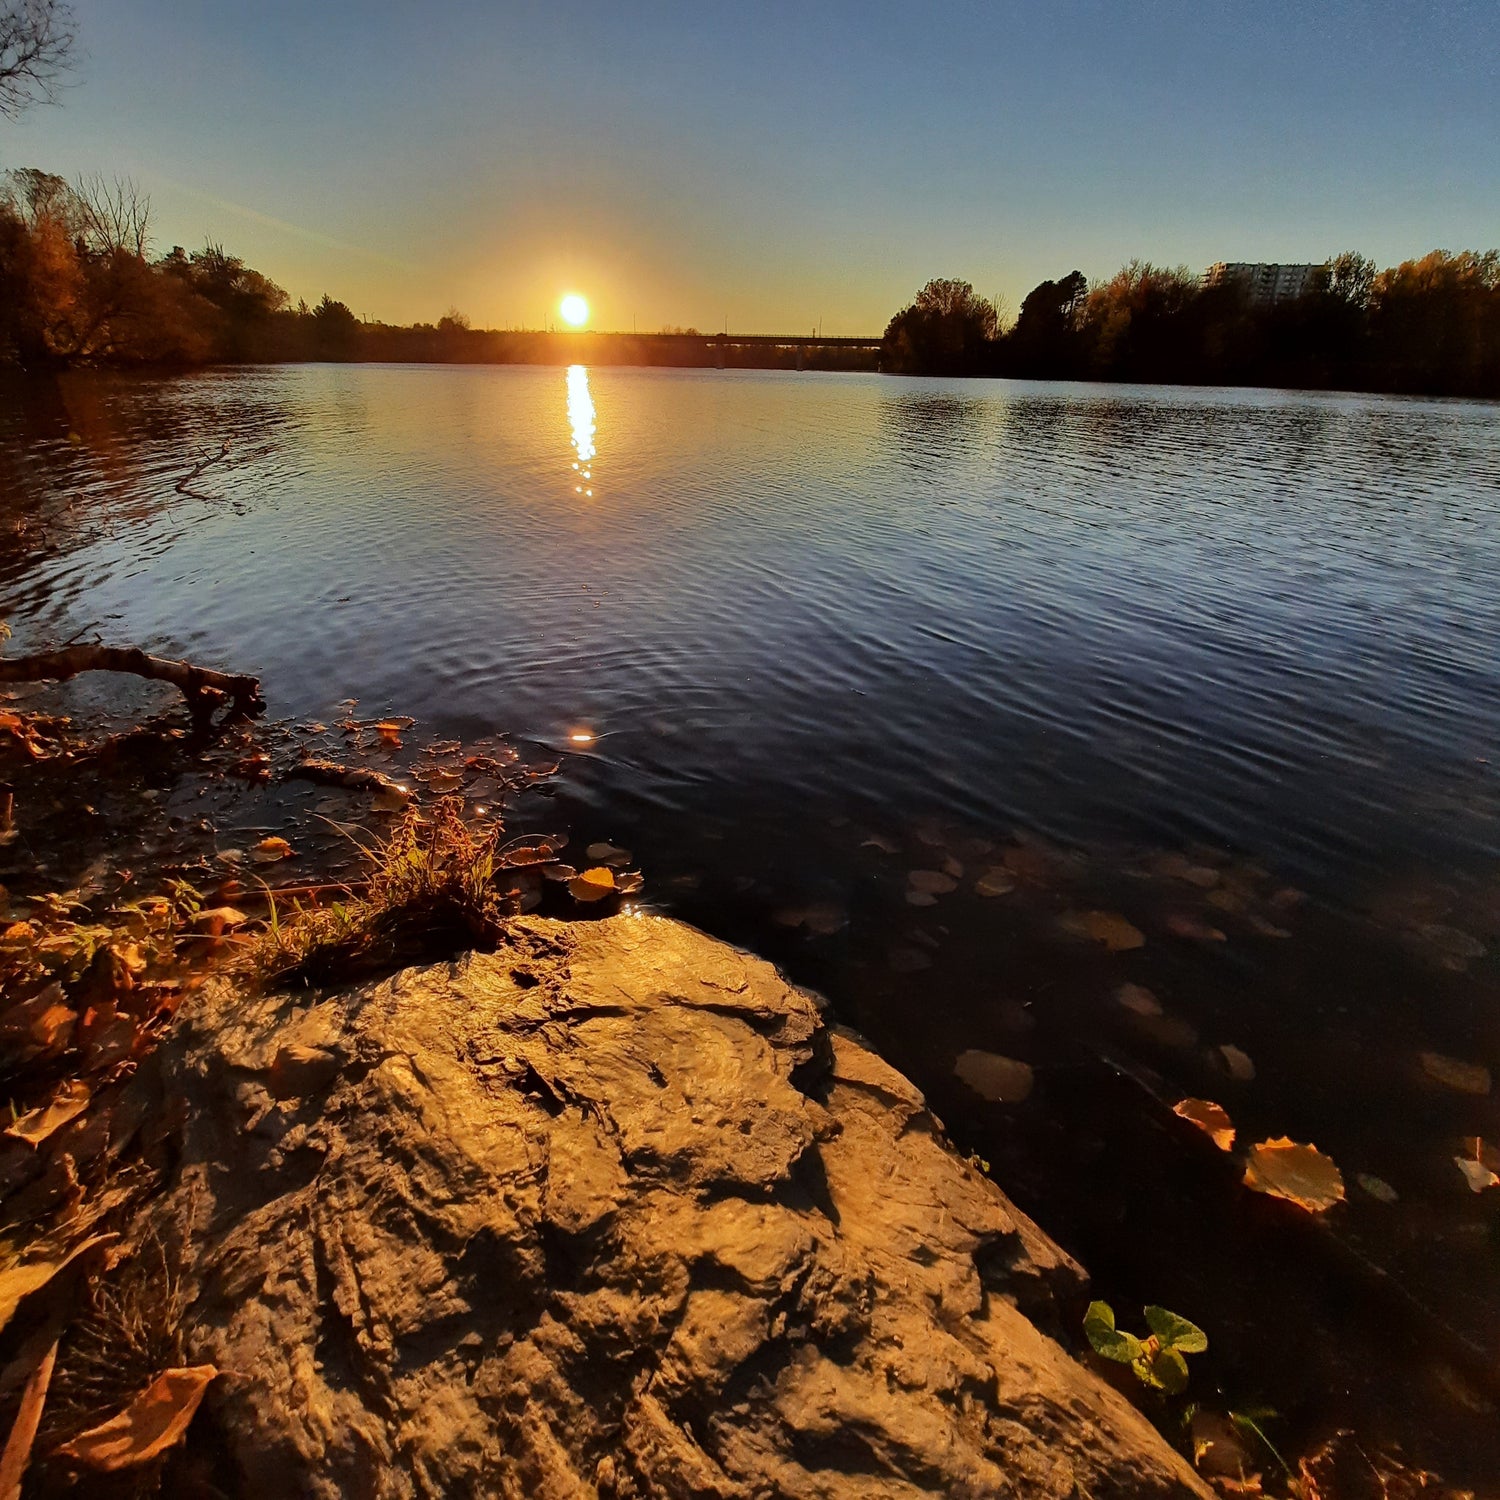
(360,778)
(197,469)
(203,688)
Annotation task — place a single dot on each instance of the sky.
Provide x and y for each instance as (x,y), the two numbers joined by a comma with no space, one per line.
(776,166)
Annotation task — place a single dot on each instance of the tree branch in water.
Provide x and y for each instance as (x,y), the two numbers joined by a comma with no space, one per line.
(204,688)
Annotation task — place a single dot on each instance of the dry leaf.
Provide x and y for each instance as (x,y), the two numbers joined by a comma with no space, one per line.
(1212,1119)
(920,898)
(20,1281)
(390,798)
(268,851)
(996,881)
(593,885)
(1300,1174)
(152,1423)
(1238,1062)
(1107,927)
(1467,1078)
(23,1430)
(931,882)
(66,1104)
(1476,1174)
(390,733)
(1002,1079)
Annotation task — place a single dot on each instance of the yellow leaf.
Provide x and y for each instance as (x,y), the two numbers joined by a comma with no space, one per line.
(1467,1078)
(593,885)
(268,851)
(66,1104)
(1301,1174)
(1476,1174)
(152,1423)
(1212,1119)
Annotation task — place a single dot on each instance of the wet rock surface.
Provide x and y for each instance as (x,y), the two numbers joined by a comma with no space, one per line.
(613,1211)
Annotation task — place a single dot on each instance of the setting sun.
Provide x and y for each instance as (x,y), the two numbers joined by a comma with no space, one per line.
(574,310)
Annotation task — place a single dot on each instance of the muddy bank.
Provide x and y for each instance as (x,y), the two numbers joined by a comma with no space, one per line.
(612,1211)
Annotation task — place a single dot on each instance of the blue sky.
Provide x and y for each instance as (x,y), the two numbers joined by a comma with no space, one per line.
(777,164)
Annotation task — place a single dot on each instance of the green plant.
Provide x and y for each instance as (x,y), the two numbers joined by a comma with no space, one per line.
(1158,1358)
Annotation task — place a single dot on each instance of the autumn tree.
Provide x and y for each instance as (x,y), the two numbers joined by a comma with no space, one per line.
(36,49)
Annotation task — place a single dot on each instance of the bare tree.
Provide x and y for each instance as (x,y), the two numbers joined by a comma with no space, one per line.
(36,49)
(113,215)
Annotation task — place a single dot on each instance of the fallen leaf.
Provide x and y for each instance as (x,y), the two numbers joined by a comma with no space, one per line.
(230,856)
(268,851)
(1301,1174)
(66,1104)
(17,1453)
(214,921)
(1137,999)
(920,898)
(996,881)
(1467,1078)
(931,882)
(1239,1064)
(1107,927)
(1377,1187)
(1029,864)
(1476,1174)
(880,842)
(390,733)
(608,854)
(1452,949)
(953,868)
(152,1423)
(1004,1080)
(824,918)
(1179,867)
(19,1281)
(1190,927)
(628,882)
(593,885)
(390,798)
(1212,1119)
(441,779)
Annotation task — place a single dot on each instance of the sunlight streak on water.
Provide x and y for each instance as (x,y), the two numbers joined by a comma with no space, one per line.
(581,420)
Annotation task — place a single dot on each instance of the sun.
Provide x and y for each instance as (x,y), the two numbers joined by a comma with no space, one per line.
(574,310)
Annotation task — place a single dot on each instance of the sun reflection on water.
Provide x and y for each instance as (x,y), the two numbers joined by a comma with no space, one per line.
(581,420)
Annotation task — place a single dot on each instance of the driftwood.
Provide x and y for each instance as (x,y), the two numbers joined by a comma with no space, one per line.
(207,461)
(331,773)
(203,688)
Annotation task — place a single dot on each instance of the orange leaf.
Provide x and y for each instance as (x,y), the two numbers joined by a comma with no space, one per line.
(23,1431)
(593,885)
(1300,1174)
(1212,1119)
(152,1423)
(1107,927)
(390,733)
(268,851)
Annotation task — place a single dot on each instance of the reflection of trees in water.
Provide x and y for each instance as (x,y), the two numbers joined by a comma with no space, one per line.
(86,452)
(920,426)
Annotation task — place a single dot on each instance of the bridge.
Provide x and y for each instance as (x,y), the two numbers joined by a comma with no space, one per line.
(719,343)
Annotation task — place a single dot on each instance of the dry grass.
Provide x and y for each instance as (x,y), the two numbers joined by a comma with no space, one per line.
(431,891)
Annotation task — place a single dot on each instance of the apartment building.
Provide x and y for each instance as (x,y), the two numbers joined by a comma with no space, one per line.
(1264,281)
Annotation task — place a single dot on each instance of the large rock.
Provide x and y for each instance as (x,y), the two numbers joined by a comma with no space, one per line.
(611,1212)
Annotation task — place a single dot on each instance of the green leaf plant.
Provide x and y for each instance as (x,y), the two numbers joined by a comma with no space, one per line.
(1156,1359)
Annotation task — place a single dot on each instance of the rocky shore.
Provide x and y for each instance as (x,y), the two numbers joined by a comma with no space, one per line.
(613,1211)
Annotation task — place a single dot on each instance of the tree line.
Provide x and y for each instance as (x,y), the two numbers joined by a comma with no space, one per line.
(1427,326)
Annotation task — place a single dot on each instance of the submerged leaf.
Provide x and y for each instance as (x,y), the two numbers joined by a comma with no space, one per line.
(1301,1174)
(1190,927)
(1239,1064)
(1212,1119)
(931,882)
(1107,927)
(1004,1080)
(1377,1187)
(1467,1078)
(1138,1000)
(155,1421)
(996,881)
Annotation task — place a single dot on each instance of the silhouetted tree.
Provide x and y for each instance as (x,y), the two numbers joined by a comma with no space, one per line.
(36,48)
(335,330)
(948,329)
(1045,342)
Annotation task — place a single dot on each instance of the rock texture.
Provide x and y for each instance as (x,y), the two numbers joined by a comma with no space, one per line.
(611,1212)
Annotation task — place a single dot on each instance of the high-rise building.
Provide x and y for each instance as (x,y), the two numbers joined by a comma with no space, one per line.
(1263,281)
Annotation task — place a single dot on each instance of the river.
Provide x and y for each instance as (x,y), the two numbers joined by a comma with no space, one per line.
(1221,665)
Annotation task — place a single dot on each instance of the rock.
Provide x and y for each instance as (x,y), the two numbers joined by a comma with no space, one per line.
(611,1212)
